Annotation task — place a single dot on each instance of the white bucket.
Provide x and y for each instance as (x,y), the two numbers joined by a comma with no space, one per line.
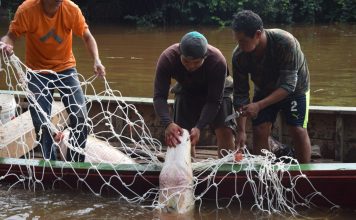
(7,108)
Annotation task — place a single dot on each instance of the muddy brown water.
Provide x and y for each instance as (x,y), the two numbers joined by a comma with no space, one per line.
(130,55)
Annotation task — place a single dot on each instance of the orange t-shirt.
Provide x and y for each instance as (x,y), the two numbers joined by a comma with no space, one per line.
(48,40)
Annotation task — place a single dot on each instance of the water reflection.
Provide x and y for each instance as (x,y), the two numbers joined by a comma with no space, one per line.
(58,204)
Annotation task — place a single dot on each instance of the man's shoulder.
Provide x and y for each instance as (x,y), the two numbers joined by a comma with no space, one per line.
(173,47)
(238,53)
(278,32)
(280,37)
(171,51)
(214,49)
(28,5)
(70,4)
(170,57)
(215,53)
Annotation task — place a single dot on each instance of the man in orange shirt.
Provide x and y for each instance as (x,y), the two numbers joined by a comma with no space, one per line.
(48,26)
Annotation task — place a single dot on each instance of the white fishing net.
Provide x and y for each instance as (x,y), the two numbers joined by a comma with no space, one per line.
(268,183)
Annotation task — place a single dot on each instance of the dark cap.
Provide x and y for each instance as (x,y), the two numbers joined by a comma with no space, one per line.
(193,45)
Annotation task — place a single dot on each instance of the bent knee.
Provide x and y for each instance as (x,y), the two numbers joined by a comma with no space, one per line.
(298,131)
(224,132)
(262,129)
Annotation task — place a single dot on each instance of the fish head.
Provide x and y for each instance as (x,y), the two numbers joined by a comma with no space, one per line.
(179,200)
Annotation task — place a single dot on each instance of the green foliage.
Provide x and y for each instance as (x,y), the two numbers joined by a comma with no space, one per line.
(148,20)
(348,10)
(10,6)
(284,14)
(338,10)
(306,10)
(222,11)
(207,12)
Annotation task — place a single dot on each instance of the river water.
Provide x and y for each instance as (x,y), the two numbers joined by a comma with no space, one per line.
(56,204)
(130,56)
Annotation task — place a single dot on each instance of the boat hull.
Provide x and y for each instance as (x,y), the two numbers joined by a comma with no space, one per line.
(336,182)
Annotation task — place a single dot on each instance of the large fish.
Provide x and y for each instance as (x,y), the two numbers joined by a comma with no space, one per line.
(95,151)
(176,178)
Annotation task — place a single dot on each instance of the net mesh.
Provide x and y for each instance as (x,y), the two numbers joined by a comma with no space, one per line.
(113,122)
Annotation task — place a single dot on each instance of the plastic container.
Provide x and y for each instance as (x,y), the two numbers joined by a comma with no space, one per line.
(7,108)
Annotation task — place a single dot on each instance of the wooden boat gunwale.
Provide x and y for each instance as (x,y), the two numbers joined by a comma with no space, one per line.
(153,168)
(334,180)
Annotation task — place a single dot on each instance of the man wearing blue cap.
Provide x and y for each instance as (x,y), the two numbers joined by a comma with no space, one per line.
(201,95)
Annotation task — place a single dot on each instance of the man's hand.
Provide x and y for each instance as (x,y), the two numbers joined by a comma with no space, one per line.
(172,134)
(7,48)
(194,136)
(99,69)
(240,140)
(251,110)
(59,136)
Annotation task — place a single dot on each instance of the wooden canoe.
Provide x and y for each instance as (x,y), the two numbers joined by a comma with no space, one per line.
(335,181)
(332,128)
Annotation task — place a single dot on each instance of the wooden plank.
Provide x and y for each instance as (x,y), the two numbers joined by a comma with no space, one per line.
(206,152)
(333,110)
(55,164)
(339,139)
(149,101)
(207,147)
(17,137)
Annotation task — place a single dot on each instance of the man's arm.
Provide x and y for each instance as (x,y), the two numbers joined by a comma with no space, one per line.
(18,27)
(161,88)
(252,109)
(9,38)
(9,41)
(240,95)
(216,83)
(92,47)
(240,139)
(276,96)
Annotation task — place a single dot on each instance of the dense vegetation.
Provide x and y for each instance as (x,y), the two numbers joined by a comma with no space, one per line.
(208,12)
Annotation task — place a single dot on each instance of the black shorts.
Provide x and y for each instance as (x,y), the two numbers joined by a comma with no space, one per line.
(187,110)
(295,109)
